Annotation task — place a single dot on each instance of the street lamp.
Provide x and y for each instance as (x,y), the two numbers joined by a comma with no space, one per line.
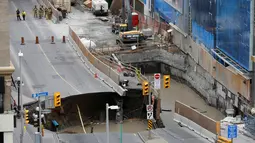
(115,107)
(20,54)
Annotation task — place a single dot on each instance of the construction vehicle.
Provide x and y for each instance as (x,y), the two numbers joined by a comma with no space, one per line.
(118,27)
(126,31)
(100,7)
(130,37)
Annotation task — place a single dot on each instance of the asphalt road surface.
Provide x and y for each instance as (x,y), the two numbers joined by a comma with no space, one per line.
(45,66)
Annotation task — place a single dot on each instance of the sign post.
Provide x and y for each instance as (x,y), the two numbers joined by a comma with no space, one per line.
(157,78)
(232,132)
(38,95)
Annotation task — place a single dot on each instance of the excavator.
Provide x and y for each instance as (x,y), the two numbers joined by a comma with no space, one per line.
(126,32)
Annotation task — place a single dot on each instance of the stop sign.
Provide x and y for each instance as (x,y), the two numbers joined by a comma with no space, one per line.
(157,76)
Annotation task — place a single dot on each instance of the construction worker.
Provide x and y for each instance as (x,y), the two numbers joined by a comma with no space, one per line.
(42,10)
(46,13)
(35,12)
(49,13)
(40,13)
(23,15)
(18,15)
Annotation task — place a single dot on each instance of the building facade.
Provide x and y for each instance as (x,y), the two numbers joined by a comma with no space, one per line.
(6,70)
(225,30)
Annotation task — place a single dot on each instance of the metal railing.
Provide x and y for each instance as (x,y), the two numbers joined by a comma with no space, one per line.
(249,123)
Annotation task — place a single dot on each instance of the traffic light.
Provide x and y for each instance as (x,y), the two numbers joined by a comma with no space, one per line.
(57,99)
(166,81)
(26,116)
(145,88)
(36,120)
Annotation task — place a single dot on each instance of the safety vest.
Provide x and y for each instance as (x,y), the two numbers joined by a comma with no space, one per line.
(23,13)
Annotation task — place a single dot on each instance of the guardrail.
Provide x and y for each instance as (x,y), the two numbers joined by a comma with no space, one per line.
(55,13)
(98,64)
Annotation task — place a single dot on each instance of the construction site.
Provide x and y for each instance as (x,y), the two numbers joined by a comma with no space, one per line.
(125,43)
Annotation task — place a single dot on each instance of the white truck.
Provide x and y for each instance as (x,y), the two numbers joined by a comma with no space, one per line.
(100,7)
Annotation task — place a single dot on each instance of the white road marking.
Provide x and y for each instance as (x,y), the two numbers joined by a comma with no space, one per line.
(47,56)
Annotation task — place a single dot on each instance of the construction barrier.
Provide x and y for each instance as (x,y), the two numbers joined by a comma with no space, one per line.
(22,41)
(98,64)
(64,39)
(36,40)
(153,23)
(223,140)
(196,121)
(52,40)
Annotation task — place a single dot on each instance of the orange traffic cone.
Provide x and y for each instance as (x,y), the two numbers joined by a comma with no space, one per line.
(36,40)
(22,41)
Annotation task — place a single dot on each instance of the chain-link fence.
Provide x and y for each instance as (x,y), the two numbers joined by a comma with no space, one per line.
(153,23)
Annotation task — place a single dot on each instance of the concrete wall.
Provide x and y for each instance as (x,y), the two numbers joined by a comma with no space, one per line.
(4,36)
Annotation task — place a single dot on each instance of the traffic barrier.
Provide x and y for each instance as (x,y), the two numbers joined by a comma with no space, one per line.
(64,39)
(36,40)
(150,124)
(52,40)
(222,139)
(22,41)
(195,121)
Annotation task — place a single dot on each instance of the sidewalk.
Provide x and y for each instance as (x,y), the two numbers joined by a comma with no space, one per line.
(29,134)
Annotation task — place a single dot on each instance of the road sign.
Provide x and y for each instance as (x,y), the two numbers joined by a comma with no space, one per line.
(43,94)
(46,111)
(40,94)
(149,115)
(232,131)
(149,108)
(157,80)
(35,95)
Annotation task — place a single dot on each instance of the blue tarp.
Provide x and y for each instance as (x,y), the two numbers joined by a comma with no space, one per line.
(167,12)
(233,30)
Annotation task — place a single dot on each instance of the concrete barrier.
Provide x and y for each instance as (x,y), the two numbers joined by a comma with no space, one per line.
(107,75)
(195,121)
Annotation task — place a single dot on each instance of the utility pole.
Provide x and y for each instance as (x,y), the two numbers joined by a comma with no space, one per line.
(149,136)
(40,118)
(107,122)
(20,54)
(18,84)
